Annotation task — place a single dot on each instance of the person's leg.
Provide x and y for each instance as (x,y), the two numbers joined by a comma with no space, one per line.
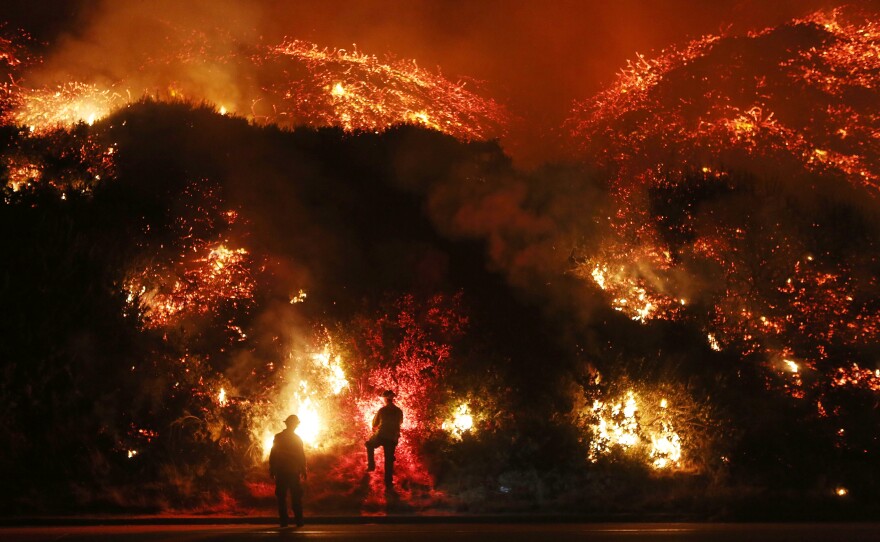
(371,450)
(296,500)
(389,449)
(281,495)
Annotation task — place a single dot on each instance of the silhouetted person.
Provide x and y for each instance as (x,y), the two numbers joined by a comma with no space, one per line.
(287,465)
(386,433)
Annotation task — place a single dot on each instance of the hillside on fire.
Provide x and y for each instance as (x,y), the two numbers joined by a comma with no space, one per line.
(680,319)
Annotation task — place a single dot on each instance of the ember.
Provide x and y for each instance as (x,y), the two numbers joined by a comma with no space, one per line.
(217,228)
(665,134)
(310,86)
(359,92)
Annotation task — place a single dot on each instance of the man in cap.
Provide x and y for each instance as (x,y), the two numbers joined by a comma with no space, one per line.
(287,465)
(386,433)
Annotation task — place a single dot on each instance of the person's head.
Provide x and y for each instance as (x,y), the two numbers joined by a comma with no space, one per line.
(388,395)
(292,421)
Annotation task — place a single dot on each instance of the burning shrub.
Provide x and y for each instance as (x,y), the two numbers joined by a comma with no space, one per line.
(656,424)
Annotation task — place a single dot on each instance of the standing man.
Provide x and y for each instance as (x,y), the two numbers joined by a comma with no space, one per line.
(386,433)
(287,465)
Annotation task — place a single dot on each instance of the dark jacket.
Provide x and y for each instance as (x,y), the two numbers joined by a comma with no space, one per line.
(287,455)
(386,423)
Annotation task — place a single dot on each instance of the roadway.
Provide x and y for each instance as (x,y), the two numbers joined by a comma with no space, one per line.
(475,532)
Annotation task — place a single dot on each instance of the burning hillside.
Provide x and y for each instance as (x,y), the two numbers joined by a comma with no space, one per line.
(744,174)
(294,83)
(214,234)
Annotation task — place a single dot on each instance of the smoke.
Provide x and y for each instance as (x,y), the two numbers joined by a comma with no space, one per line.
(682,215)
(535,59)
(744,175)
(163,50)
(530,225)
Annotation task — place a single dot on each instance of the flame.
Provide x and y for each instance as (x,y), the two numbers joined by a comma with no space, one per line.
(629,291)
(619,425)
(310,421)
(462,421)
(665,447)
(359,92)
(221,397)
(335,375)
(336,87)
(663,141)
(202,280)
(616,426)
(310,426)
(22,175)
(45,109)
(312,383)
(267,440)
(338,90)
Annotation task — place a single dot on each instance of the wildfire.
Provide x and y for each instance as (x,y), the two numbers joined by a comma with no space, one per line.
(197,285)
(334,374)
(624,424)
(45,109)
(23,175)
(359,92)
(9,52)
(630,290)
(76,161)
(312,383)
(300,297)
(462,421)
(300,84)
(855,376)
(666,132)
(713,342)
(302,402)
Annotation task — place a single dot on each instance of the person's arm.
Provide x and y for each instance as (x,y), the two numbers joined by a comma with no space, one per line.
(273,459)
(302,459)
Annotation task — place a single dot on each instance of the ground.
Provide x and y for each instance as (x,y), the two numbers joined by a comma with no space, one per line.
(450,529)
